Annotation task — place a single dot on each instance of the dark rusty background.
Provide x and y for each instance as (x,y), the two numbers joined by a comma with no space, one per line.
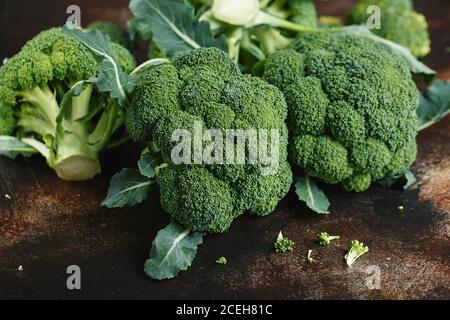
(49,224)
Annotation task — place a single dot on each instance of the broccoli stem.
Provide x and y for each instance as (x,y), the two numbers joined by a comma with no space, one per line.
(271,40)
(30,123)
(106,126)
(252,48)
(234,43)
(38,146)
(277,9)
(44,100)
(264,17)
(75,160)
(80,109)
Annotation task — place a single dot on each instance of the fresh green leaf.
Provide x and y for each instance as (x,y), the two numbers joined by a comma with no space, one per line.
(12,147)
(172,26)
(173,250)
(415,65)
(128,188)
(309,192)
(406,180)
(112,78)
(147,165)
(434,104)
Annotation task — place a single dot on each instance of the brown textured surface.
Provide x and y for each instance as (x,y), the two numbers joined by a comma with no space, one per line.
(49,224)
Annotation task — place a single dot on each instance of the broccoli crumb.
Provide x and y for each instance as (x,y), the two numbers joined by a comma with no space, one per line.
(401,208)
(222,261)
(309,259)
(325,238)
(7,196)
(356,250)
(283,244)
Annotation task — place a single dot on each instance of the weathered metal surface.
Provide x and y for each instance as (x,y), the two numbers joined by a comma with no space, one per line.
(49,224)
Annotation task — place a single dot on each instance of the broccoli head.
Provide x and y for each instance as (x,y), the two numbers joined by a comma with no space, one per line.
(206,86)
(35,105)
(399,23)
(114,31)
(352,108)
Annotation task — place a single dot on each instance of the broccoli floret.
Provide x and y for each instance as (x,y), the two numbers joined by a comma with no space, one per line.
(325,239)
(283,244)
(206,86)
(115,32)
(352,108)
(355,250)
(7,121)
(33,84)
(399,23)
(222,261)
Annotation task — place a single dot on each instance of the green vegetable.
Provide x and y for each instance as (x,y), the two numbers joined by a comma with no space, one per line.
(173,250)
(434,104)
(399,23)
(172,26)
(352,108)
(283,244)
(309,192)
(355,251)
(222,261)
(255,27)
(48,106)
(114,31)
(128,188)
(325,239)
(207,86)
(275,26)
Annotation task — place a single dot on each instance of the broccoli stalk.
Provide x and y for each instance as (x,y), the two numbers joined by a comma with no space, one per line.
(72,152)
(255,26)
(356,250)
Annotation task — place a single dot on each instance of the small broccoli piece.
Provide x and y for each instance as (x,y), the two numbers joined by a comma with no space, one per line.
(206,86)
(351,105)
(309,257)
(33,84)
(222,261)
(356,250)
(283,244)
(325,238)
(399,23)
(114,31)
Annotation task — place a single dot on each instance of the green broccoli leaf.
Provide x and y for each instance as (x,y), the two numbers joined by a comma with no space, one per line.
(309,192)
(406,180)
(434,104)
(112,78)
(172,26)
(147,165)
(173,250)
(128,188)
(12,147)
(415,65)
